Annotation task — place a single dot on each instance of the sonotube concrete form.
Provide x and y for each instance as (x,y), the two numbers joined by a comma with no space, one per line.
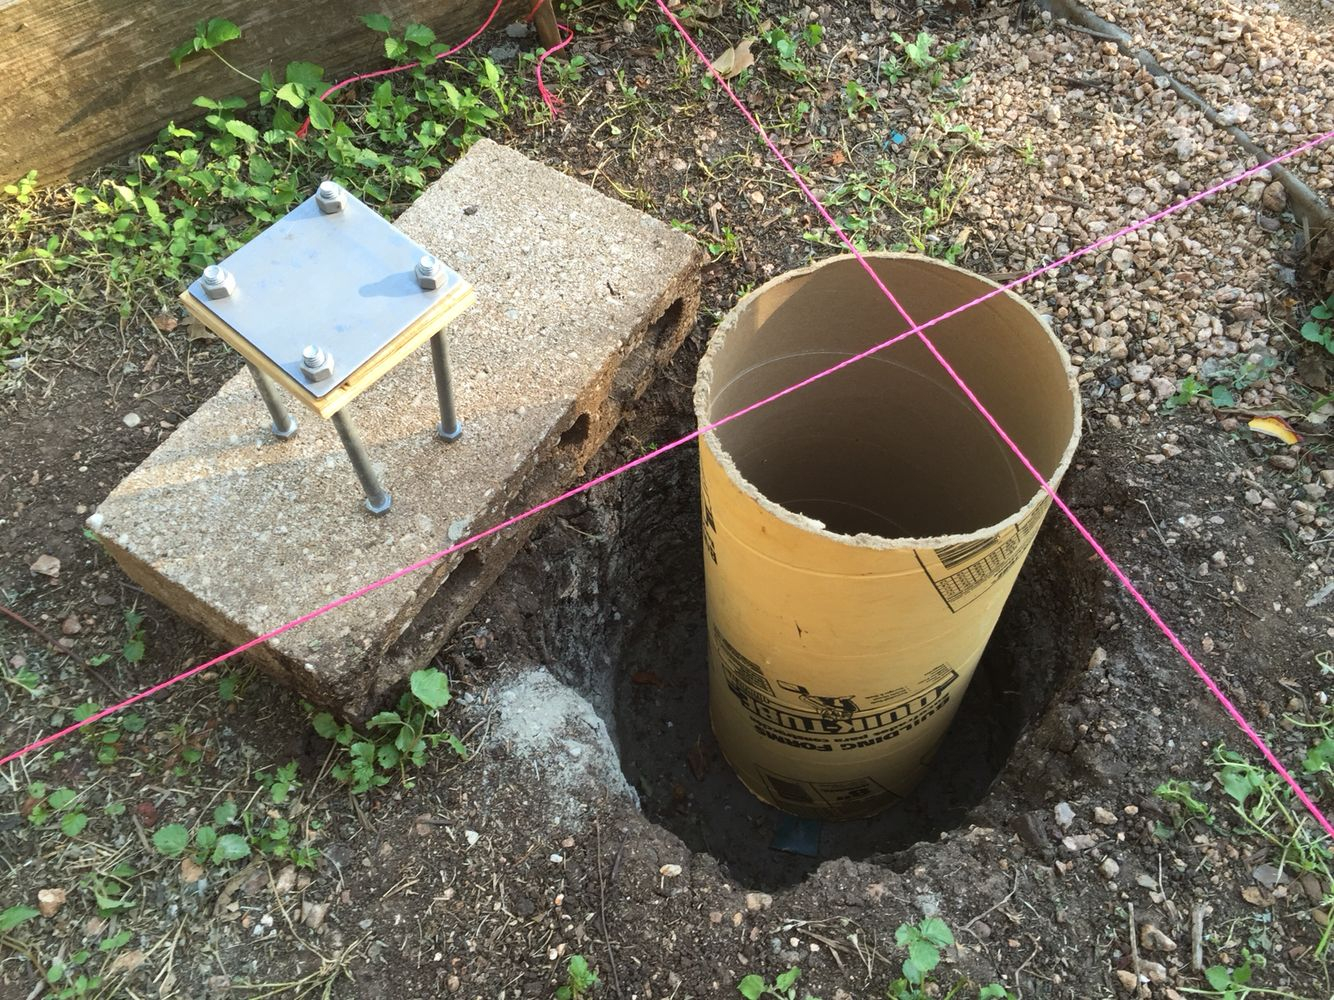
(861,535)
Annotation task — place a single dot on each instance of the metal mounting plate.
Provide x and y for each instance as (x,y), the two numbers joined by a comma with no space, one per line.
(343,281)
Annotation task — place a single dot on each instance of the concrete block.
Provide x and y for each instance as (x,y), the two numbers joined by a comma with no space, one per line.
(580,299)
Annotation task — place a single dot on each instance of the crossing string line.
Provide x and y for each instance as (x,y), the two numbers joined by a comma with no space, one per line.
(940,358)
(916,329)
(656,452)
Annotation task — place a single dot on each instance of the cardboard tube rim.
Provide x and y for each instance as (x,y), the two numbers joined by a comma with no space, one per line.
(704,389)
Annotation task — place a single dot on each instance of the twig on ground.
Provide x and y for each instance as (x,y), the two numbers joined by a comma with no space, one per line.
(997,905)
(1197,937)
(1134,942)
(16,617)
(602,909)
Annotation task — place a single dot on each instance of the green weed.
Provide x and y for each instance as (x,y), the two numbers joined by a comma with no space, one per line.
(754,987)
(15,915)
(174,839)
(579,980)
(919,57)
(788,49)
(63,802)
(395,739)
(1319,329)
(135,644)
(1220,387)
(1183,805)
(205,188)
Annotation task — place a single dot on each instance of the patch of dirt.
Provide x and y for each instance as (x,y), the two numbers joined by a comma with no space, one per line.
(1048,855)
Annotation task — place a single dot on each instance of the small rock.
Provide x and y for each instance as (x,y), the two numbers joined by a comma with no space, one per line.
(1079,842)
(1103,817)
(191,871)
(1269,876)
(1156,972)
(1032,830)
(715,916)
(1162,389)
(49,901)
(1123,258)
(1275,198)
(1064,815)
(285,880)
(71,626)
(669,871)
(131,420)
(756,901)
(1184,148)
(472,836)
(1109,868)
(1235,114)
(1129,981)
(46,565)
(313,914)
(1285,462)
(1153,939)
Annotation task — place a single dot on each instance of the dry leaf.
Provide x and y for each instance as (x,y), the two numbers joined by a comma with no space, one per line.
(191,871)
(127,961)
(196,331)
(165,322)
(1275,427)
(735,60)
(1254,896)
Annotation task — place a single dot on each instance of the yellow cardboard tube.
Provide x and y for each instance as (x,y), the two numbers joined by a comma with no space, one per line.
(861,535)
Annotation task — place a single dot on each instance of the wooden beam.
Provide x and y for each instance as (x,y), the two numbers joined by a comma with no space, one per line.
(83,81)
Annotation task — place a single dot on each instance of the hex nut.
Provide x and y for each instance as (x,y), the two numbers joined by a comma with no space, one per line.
(331,198)
(316,364)
(430,273)
(217,282)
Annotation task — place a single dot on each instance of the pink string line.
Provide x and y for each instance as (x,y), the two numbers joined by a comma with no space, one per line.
(1102,553)
(305,126)
(548,98)
(647,457)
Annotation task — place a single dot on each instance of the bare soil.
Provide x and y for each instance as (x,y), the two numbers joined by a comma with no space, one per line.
(480,881)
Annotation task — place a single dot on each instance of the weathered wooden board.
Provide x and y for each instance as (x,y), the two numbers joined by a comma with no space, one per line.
(83,81)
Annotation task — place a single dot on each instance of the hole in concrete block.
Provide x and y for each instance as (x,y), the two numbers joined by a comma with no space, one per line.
(634,371)
(576,434)
(634,642)
(666,323)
